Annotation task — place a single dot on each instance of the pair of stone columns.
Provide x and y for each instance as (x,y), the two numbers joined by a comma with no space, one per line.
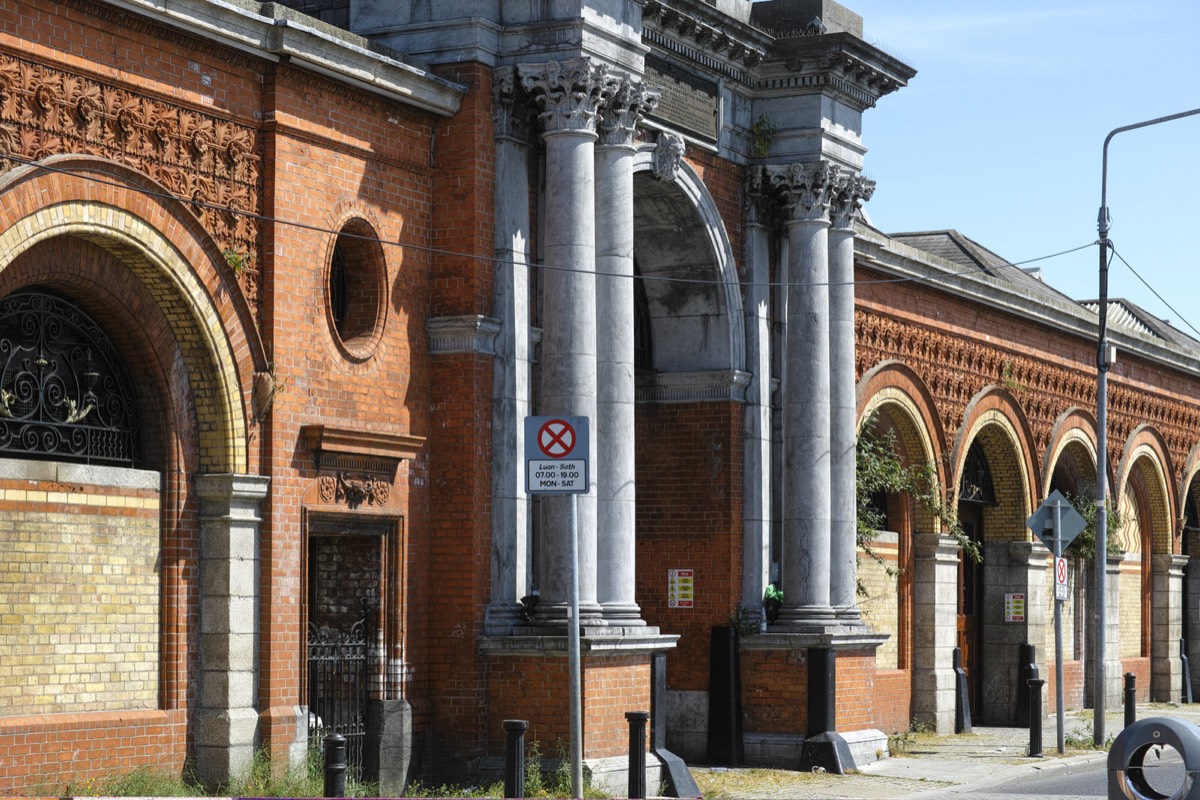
(820,408)
(587,119)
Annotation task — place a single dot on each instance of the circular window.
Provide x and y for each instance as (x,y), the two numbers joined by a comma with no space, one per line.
(355,290)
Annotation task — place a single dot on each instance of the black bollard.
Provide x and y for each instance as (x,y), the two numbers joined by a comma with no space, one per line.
(335,765)
(1187,672)
(637,753)
(514,757)
(1130,699)
(1035,716)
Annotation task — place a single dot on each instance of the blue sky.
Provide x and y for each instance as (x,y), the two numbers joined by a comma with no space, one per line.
(1000,135)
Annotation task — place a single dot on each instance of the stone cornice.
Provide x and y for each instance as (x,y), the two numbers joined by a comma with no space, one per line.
(274,32)
(838,63)
(697,32)
(473,334)
(693,387)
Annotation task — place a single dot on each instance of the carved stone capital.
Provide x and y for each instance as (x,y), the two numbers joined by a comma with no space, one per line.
(668,155)
(760,201)
(569,93)
(847,197)
(510,113)
(620,116)
(805,189)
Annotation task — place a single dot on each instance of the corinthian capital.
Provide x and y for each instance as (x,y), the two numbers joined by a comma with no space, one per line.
(620,116)
(806,189)
(848,195)
(510,113)
(570,93)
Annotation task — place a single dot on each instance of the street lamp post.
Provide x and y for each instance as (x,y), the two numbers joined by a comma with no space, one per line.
(1103,361)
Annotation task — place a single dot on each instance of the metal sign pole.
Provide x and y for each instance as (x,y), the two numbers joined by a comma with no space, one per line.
(576,704)
(1058,644)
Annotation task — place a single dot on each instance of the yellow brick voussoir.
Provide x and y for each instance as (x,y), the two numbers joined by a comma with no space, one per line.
(225,448)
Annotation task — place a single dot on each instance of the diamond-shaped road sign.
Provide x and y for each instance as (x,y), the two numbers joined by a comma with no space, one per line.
(1042,521)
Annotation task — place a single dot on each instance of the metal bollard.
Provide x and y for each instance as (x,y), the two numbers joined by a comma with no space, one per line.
(514,757)
(637,753)
(335,765)
(1130,699)
(1035,716)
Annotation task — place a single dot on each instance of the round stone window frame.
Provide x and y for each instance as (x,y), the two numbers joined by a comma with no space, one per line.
(365,291)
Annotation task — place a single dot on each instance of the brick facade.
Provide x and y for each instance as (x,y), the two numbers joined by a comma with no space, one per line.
(293,248)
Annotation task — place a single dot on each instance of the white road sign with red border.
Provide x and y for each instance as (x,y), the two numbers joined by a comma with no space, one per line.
(556,455)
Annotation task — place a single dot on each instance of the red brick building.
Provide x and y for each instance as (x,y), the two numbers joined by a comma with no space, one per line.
(279,287)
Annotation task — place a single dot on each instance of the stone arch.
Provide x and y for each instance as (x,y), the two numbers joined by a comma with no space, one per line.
(129,216)
(685,259)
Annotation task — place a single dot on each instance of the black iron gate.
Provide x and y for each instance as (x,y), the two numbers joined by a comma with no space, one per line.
(338,675)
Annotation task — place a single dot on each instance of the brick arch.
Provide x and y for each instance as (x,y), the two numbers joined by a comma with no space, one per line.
(891,382)
(996,421)
(165,248)
(1072,447)
(1189,487)
(1145,465)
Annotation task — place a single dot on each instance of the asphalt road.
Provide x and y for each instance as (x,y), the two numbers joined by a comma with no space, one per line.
(1164,772)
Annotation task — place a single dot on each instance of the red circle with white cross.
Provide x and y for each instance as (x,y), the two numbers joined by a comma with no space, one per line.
(556,438)
(1062,570)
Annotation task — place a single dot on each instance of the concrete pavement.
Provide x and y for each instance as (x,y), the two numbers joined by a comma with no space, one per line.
(932,766)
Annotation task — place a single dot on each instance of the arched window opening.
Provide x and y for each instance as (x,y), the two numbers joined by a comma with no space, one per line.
(64,391)
(976,484)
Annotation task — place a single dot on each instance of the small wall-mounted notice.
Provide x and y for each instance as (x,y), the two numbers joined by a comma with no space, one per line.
(681,588)
(1014,607)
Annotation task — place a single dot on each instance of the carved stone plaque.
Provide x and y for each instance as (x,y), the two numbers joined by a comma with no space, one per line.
(688,102)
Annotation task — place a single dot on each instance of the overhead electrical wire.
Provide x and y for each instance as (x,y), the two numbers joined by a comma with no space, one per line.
(497,260)
(1153,291)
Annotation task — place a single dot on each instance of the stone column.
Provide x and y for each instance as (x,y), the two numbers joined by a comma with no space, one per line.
(757,511)
(510,377)
(1166,670)
(616,504)
(806,533)
(849,195)
(227,715)
(935,630)
(570,95)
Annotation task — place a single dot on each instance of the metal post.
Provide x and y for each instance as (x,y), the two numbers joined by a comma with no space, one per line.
(1102,364)
(1058,643)
(514,758)
(1130,699)
(576,709)
(1035,716)
(335,765)
(637,753)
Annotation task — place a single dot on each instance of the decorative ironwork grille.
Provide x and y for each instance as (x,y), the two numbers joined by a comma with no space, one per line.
(338,677)
(63,390)
(976,484)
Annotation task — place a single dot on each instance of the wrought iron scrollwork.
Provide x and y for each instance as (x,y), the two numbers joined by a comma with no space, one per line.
(976,485)
(63,390)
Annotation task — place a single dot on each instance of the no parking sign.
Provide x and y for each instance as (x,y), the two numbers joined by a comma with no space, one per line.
(556,455)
